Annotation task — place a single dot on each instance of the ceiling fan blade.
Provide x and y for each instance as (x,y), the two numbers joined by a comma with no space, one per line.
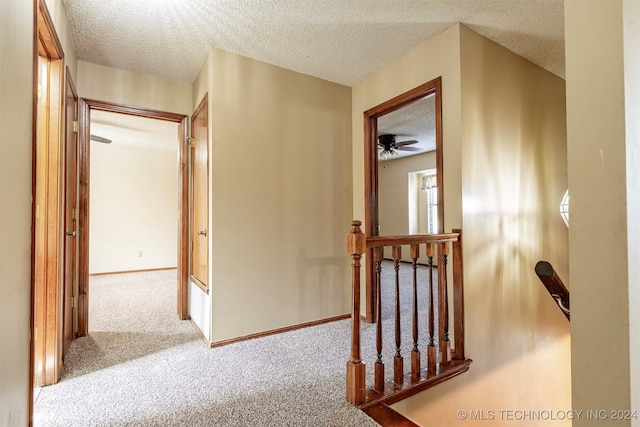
(413,141)
(97,138)
(410,149)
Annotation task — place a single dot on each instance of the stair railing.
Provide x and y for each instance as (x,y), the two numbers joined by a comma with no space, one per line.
(554,285)
(444,360)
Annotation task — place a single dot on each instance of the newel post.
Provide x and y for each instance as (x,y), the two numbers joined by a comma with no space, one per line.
(356,246)
(458,296)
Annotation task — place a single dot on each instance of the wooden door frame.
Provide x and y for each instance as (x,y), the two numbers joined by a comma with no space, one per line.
(85,106)
(371,214)
(47,210)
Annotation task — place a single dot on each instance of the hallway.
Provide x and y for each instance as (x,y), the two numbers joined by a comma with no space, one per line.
(140,366)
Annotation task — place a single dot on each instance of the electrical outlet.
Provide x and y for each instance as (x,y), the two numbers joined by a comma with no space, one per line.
(139,254)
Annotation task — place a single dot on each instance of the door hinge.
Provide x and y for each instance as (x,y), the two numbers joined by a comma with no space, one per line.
(74,301)
(74,214)
(191,141)
(75,126)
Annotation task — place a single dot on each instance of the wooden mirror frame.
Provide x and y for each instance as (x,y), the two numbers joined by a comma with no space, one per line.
(371,216)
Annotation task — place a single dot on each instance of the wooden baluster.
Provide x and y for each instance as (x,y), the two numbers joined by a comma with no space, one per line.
(398,362)
(378,256)
(458,297)
(415,353)
(443,302)
(356,245)
(432,357)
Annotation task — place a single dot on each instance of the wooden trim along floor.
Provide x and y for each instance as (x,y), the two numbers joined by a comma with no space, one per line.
(387,417)
(133,271)
(278,331)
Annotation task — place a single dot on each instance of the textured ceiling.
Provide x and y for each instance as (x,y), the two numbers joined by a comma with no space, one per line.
(414,121)
(343,41)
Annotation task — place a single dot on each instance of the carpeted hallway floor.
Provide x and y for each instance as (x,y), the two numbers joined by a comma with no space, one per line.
(140,366)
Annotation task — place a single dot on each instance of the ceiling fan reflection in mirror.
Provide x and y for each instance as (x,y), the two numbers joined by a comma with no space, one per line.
(389,146)
(97,138)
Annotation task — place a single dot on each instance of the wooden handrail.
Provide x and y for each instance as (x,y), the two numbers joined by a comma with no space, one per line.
(554,285)
(409,239)
(444,359)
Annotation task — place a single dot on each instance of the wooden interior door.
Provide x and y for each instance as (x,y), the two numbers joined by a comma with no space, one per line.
(70,317)
(200,195)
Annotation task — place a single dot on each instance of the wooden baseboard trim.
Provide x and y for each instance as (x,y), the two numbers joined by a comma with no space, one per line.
(133,271)
(387,417)
(206,341)
(279,330)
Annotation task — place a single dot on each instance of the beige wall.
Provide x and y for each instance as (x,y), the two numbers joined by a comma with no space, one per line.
(16,81)
(505,173)
(134,209)
(513,178)
(281,196)
(631,19)
(134,89)
(604,365)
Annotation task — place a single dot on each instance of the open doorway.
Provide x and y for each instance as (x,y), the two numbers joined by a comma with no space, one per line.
(133,225)
(133,243)
(105,123)
(133,194)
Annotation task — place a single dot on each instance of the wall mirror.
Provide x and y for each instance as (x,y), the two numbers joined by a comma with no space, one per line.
(407,188)
(403,169)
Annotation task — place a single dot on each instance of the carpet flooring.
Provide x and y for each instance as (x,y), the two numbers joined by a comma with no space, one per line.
(141,366)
